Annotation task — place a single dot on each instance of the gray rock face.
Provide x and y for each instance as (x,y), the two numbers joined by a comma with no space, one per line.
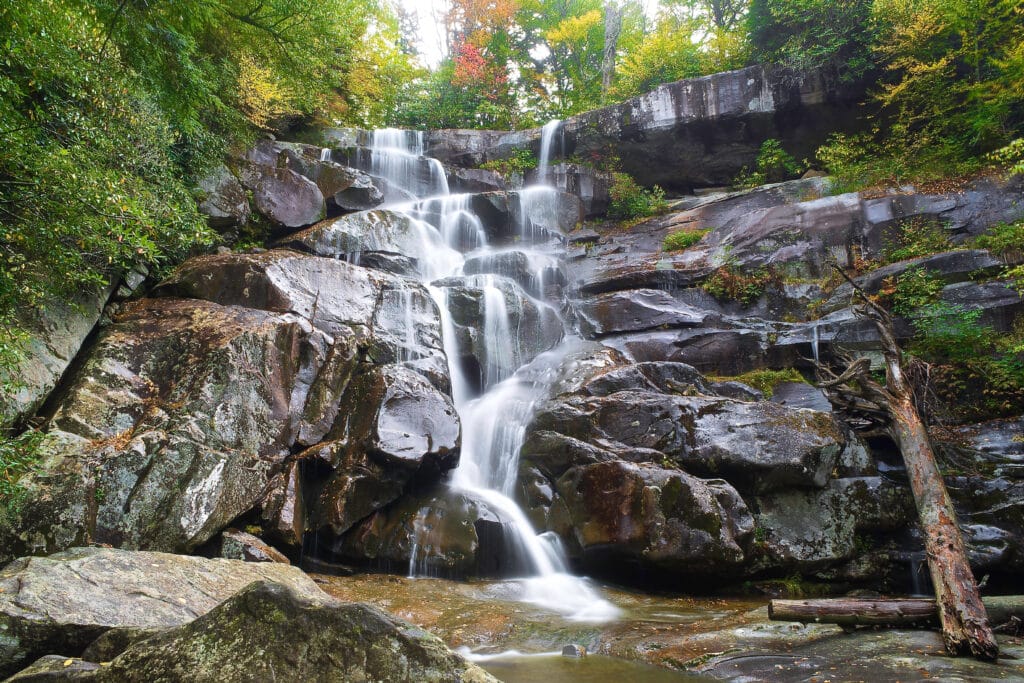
(462,180)
(285,198)
(586,182)
(172,426)
(694,132)
(636,311)
(56,333)
(224,201)
(535,273)
(254,635)
(60,604)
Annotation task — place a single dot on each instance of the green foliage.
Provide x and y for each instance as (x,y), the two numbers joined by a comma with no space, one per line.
(18,455)
(629,200)
(1003,239)
(681,240)
(913,289)
(1011,156)
(729,283)
(522,160)
(766,380)
(774,164)
(915,237)
(833,35)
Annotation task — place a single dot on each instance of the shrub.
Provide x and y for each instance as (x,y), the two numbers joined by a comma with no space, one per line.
(729,283)
(1004,239)
(629,200)
(522,160)
(681,240)
(18,455)
(915,237)
(774,164)
(1011,156)
(911,290)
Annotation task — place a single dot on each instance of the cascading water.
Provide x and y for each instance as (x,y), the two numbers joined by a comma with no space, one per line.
(548,135)
(494,423)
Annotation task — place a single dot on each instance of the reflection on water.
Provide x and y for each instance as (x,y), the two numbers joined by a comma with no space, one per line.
(514,667)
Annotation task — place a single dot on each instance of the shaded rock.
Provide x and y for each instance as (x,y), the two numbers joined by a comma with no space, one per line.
(662,519)
(116,640)
(282,196)
(1000,302)
(171,427)
(635,311)
(60,604)
(283,508)
(223,200)
(586,182)
(724,352)
(663,377)
(239,545)
(801,395)
(254,636)
(392,425)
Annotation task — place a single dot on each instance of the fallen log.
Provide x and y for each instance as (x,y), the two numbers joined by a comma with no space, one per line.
(891,612)
(965,626)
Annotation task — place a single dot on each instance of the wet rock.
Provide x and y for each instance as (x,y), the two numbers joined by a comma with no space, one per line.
(60,604)
(343,187)
(392,426)
(471,180)
(515,327)
(993,510)
(636,311)
(223,201)
(574,650)
(380,236)
(713,351)
(253,635)
(534,272)
(282,196)
(171,427)
(442,533)
(586,182)
(239,545)
(663,377)
(1000,302)
(759,446)
(662,519)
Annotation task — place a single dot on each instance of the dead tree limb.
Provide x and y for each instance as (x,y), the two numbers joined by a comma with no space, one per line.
(962,615)
(883,611)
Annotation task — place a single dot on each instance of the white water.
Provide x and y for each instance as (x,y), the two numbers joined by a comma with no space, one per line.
(547,143)
(494,423)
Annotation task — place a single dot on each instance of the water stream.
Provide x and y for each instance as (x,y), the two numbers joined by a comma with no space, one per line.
(496,408)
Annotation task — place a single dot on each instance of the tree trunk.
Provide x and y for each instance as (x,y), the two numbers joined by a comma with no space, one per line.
(965,626)
(612,28)
(883,612)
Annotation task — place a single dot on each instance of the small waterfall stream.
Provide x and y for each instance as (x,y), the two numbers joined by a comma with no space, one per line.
(495,418)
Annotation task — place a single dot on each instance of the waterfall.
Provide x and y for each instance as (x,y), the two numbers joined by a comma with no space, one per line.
(547,142)
(445,232)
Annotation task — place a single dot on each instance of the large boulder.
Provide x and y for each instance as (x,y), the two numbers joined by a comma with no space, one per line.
(269,632)
(285,198)
(448,533)
(619,514)
(636,310)
(172,426)
(60,604)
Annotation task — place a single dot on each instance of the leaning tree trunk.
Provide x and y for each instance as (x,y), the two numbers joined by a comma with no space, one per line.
(612,28)
(962,615)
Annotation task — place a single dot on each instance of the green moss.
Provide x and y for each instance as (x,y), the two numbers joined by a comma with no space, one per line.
(766,380)
(681,240)
(18,456)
